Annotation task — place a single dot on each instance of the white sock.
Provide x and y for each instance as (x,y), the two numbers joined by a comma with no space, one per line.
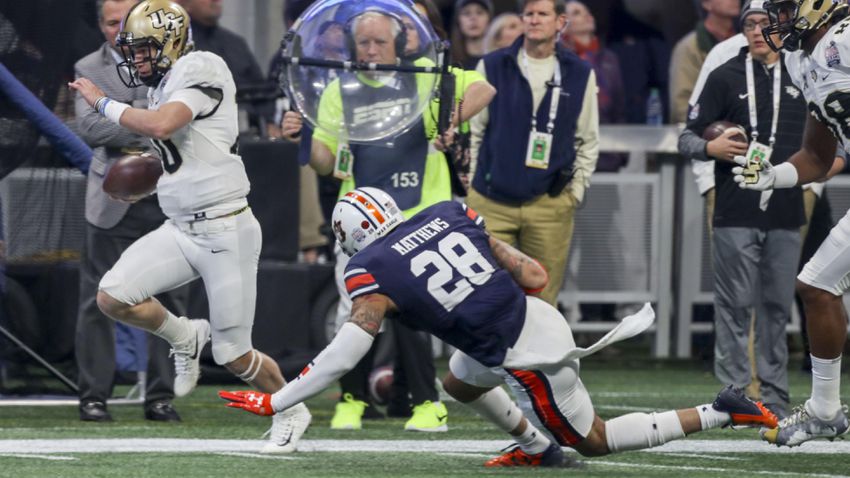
(532,441)
(174,329)
(826,381)
(710,418)
(637,431)
(498,407)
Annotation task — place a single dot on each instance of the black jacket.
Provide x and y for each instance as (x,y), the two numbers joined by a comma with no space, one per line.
(724,98)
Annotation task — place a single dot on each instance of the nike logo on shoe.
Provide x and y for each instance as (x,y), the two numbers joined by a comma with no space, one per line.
(195,354)
(217,251)
(743,96)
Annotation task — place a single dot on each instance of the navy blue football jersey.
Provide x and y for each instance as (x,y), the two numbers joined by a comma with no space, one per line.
(437,267)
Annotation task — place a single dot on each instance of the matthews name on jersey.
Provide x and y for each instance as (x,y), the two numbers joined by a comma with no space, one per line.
(202,170)
(824,78)
(437,267)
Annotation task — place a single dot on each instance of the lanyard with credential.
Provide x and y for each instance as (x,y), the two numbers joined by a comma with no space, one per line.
(751,99)
(556,94)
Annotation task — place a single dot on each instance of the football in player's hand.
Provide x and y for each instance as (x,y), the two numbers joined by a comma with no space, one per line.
(717,128)
(132,177)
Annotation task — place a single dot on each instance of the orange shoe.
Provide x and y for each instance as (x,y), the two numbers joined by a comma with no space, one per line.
(514,456)
(744,412)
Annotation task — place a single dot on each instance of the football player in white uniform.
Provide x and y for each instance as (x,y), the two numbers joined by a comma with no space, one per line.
(211,233)
(817,36)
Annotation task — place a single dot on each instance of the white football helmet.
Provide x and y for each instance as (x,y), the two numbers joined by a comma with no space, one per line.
(363,215)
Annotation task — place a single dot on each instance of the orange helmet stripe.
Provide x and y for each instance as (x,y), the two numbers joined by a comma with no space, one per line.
(368,205)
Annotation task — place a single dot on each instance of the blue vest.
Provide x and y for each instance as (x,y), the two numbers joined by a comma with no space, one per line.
(501,173)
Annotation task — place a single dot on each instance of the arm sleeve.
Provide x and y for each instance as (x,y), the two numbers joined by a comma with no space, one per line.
(587,140)
(344,352)
(710,107)
(478,124)
(692,146)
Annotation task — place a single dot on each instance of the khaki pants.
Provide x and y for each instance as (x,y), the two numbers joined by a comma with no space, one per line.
(541,228)
(310,218)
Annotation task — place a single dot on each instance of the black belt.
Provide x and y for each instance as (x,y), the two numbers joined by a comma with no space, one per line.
(202,216)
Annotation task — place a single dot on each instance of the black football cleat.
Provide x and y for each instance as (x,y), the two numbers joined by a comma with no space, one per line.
(744,411)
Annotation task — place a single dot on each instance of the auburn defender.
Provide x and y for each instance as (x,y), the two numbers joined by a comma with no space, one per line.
(448,276)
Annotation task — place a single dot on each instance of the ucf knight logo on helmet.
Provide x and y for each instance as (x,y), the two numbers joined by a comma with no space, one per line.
(167,20)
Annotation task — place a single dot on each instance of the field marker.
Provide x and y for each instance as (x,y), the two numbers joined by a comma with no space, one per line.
(182,445)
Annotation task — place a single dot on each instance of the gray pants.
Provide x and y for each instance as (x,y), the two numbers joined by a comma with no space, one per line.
(95,336)
(754,270)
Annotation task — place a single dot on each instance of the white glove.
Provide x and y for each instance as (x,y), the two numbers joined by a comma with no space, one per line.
(765,176)
(761,178)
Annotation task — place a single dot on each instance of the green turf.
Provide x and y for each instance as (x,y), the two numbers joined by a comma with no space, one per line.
(613,382)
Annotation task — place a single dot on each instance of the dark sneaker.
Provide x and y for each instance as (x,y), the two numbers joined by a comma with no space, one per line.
(744,411)
(94,411)
(161,411)
(802,426)
(514,456)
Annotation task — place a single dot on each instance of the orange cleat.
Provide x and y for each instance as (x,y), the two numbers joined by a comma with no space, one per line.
(514,456)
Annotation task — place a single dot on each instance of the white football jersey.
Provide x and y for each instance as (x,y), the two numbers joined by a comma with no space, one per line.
(202,170)
(824,78)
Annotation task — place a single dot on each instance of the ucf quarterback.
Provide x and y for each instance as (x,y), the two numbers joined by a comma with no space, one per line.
(816,35)
(211,232)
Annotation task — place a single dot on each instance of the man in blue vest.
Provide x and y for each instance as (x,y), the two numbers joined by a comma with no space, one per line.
(536,145)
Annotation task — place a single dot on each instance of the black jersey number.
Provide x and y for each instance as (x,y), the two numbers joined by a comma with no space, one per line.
(835,114)
(171,159)
(457,253)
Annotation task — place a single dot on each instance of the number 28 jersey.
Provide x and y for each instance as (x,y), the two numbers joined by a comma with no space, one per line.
(201,170)
(824,78)
(437,267)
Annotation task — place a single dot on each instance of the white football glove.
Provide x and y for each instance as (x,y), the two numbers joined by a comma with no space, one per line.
(759,178)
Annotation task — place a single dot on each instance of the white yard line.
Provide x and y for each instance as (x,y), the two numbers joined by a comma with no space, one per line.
(256,455)
(733,471)
(38,456)
(703,456)
(179,445)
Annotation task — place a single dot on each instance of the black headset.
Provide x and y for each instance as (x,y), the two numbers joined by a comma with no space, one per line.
(400,39)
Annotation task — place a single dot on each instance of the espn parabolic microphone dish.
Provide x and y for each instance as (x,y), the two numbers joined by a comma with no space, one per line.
(362,70)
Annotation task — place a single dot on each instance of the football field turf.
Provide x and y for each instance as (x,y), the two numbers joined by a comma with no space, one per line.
(215,441)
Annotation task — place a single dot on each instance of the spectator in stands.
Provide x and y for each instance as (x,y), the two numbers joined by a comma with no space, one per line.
(502,32)
(580,38)
(536,145)
(719,24)
(756,235)
(111,227)
(208,35)
(644,55)
(468,29)
(430,183)
(429,11)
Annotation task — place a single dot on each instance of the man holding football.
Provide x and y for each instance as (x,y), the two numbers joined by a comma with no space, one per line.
(210,232)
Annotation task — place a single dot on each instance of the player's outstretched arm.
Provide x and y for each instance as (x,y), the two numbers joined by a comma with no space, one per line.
(349,345)
(527,272)
(158,124)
